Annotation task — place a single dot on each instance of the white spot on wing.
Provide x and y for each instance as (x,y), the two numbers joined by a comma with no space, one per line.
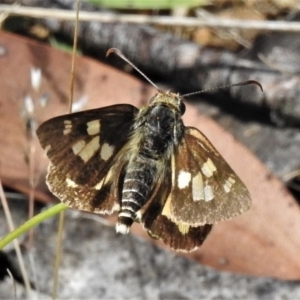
(197,187)
(93,127)
(77,147)
(106,151)
(208,193)
(208,168)
(71,183)
(88,151)
(183,179)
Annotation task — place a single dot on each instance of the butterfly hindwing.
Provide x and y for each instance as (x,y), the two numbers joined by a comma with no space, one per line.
(199,190)
(177,235)
(83,145)
(205,190)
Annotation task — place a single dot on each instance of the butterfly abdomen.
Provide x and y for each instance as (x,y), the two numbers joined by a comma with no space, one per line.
(137,185)
(152,145)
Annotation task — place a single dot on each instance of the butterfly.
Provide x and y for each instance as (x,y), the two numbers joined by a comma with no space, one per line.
(147,166)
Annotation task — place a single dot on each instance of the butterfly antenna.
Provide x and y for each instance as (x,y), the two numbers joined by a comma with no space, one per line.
(120,54)
(225,87)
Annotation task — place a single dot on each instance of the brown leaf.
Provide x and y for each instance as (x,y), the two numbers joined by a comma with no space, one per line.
(263,241)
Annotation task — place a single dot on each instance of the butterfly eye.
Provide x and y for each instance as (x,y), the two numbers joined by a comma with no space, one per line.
(182,108)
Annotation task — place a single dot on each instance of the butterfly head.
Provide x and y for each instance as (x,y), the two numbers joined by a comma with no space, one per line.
(170,99)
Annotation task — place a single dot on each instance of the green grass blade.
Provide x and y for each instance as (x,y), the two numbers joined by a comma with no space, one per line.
(31,223)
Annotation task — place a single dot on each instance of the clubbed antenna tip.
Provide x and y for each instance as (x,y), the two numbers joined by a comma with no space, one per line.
(226,87)
(121,55)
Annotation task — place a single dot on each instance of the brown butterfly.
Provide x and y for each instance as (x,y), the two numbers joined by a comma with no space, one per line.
(145,165)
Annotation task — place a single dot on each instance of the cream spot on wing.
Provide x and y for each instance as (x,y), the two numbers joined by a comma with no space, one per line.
(228,184)
(208,193)
(71,183)
(197,187)
(183,179)
(231,180)
(138,215)
(107,178)
(173,169)
(208,168)
(93,127)
(78,146)
(116,207)
(183,228)
(211,165)
(47,148)
(99,185)
(106,151)
(67,131)
(89,150)
(68,127)
(167,208)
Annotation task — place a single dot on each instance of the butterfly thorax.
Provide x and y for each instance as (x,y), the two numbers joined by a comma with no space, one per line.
(158,130)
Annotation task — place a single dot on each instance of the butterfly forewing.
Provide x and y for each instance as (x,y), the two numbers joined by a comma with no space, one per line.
(102,198)
(82,146)
(205,189)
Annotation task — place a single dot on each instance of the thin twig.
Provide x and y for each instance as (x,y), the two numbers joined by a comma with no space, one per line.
(154,20)
(74,57)
(62,214)
(58,252)
(15,242)
(32,156)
